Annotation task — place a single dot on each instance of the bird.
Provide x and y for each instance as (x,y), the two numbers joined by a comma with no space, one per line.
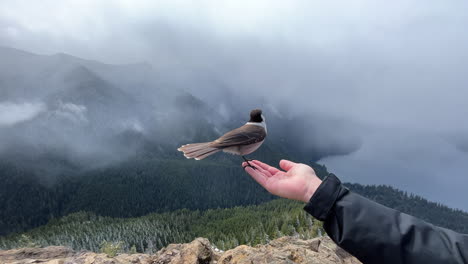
(240,141)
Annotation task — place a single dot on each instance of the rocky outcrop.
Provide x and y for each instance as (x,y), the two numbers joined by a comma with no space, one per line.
(64,255)
(283,250)
(290,250)
(198,251)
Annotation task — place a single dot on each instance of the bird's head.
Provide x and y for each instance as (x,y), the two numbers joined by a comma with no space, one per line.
(256,116)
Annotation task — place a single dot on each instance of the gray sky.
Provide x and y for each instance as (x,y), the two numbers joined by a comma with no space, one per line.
(397,70)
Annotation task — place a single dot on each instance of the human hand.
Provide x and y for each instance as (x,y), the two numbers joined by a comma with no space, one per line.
(297,182)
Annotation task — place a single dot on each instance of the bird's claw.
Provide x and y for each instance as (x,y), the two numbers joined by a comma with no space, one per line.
(249,166)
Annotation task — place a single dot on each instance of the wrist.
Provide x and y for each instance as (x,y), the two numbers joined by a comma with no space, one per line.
(312,186)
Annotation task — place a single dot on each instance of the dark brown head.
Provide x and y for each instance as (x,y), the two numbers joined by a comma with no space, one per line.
(256,116)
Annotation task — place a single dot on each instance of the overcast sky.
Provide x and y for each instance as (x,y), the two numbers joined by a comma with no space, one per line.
(398,70)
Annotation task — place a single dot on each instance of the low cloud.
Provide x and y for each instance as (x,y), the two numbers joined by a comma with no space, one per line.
(12,113)
(408,160)
(133,125)
(72,112)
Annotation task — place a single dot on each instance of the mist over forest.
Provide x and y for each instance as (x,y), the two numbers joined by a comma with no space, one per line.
(91,114)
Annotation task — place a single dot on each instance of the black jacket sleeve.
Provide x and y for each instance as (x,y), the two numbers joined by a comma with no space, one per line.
(374,233)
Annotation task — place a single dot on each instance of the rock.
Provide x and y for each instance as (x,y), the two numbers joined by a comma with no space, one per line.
(289,250)
(198,251)
(64,255)
(39,254)
(282,250)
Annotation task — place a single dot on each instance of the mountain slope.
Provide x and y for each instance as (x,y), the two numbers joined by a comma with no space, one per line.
(226,227)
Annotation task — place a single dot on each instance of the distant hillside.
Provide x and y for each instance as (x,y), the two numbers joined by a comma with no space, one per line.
(147,185)
(411,204)
(226,228)
(133,188)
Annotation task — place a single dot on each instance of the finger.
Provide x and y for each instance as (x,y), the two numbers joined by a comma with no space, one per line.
(286,164)
(258,176)
(266,167)
(265,172)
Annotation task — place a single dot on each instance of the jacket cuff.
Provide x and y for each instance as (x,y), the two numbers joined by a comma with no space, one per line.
(324,198)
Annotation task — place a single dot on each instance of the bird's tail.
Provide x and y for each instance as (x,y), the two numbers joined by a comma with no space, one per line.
(198,151)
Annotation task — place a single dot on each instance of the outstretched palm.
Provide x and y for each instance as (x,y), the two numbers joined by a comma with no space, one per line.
(297,182)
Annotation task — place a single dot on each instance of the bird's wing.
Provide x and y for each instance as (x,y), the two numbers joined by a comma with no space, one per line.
(244,135)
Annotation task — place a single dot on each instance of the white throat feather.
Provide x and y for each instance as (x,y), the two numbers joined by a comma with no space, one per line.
(262,124)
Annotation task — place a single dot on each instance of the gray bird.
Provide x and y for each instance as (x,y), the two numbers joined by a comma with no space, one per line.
(240,141)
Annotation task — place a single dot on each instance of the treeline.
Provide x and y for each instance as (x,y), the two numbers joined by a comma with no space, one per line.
(415,205)
(129,189)
(139,186)
(225,228)
(151,185)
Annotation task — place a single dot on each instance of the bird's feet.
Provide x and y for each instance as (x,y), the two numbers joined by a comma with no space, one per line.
(246,159)
(248,165)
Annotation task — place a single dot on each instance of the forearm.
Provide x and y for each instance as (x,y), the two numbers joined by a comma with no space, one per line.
(377,234)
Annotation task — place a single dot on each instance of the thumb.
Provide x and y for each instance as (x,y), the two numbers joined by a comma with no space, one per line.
(286,164)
